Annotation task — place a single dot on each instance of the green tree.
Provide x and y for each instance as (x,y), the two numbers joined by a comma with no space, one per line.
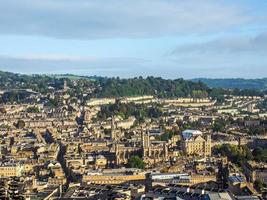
(219,125)
(259,185)
(33,109)
(20,124)
(260,154)
(236,154)
(136,162)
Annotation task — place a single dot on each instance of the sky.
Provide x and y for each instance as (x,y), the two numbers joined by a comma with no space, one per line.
(126,38)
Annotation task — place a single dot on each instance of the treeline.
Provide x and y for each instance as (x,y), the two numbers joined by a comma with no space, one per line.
(241,154)
(248,92)
(106,87)
(165,88)
(38,83)
(232,83)
(116,87)
(15,85)
(139,111)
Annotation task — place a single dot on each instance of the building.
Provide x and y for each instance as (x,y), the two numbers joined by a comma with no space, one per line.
(115,176)
(236,184)
(100,101)
(10,170)
(256,171)
(153,151)
(251,123)
(195,143)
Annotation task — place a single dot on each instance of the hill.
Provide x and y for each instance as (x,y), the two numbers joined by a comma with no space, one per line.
(96,86)
(106,87)
(232,83)
(116,87)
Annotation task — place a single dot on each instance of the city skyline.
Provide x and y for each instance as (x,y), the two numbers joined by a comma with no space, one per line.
(171,39)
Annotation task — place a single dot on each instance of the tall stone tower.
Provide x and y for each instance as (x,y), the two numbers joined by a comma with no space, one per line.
(166,153)
(146,143)
(113,132)
(207,146)
(65,86)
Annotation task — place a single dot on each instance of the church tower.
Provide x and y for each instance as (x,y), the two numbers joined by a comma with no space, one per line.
(113,132)
(146,143)
(65,86)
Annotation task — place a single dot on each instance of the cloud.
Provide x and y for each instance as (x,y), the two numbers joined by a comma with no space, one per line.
(228,45)
(225,56)
(82,19)
(50,64)
(48,57)
(102,28)
(185,66)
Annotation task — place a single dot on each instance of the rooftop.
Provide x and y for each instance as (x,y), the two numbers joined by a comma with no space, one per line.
(187,134)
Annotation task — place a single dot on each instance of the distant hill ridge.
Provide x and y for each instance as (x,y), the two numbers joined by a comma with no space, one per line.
(232,83)
(120,87)
(106,87)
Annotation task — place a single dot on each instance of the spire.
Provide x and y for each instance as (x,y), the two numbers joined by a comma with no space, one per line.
(113,134)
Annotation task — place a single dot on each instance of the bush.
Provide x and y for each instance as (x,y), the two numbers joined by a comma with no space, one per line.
(136,162)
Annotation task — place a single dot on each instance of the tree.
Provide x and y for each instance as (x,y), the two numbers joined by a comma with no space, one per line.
(20,124)
(259,185)
(236,154)
(116,87)
(219,125)
(136,162)
(33,109)
(217,94)
(167,135)
(107,131)
(3,110)
(257,130)
(260,154)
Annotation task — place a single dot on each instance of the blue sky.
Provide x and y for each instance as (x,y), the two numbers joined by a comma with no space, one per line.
(168,38)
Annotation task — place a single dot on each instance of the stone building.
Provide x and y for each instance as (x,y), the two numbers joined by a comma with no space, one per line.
(10,170)
(195,143)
